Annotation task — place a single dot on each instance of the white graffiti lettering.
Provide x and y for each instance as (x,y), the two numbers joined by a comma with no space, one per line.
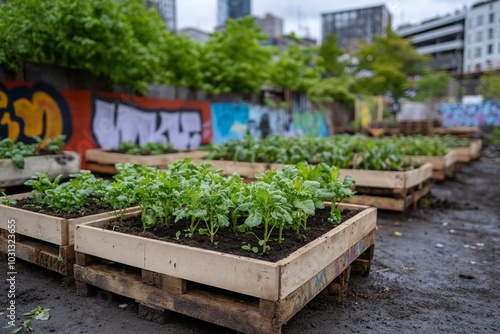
(116,122)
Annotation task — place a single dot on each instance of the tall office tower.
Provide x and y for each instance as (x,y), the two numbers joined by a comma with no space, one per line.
(232,9)
(351,26)
(166,9)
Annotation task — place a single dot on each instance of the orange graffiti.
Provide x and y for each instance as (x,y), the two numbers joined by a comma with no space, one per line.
(13,128)
(42,110)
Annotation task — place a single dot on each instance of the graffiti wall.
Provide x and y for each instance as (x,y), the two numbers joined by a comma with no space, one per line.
(232,120)
(92,119)
(487,113)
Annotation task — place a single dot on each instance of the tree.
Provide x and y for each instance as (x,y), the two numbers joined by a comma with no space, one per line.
(490,86)
(333,89)
(329,57)
(184,65)
(295,69)
(386,64)
(121,40)
(432,86)
(234,60)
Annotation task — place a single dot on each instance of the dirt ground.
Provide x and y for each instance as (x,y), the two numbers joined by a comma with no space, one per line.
(441,275)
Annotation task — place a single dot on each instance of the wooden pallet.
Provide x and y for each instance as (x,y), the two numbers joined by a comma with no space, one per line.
(390,199)
(469,153)
(414,127)
(44,240)
(442,166)
(65,163)
(246,170)
(458,131)
(240,293)
(57,258)
(102,161)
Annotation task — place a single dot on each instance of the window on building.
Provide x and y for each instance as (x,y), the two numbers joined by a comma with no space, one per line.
(478,52)
(468,53)
(479,21)
(490,33)
(490,49)
(479,36)
(471,23)
(492,17)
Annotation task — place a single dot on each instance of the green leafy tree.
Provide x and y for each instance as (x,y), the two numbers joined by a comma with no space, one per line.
(234,60)
(490,86)
(121,40)
(389,61)
(333,89)
(432,86)
(330,55)
(295,69)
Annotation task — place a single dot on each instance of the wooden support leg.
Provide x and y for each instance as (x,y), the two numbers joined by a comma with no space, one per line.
(361,266)
(337,290)
(83,289)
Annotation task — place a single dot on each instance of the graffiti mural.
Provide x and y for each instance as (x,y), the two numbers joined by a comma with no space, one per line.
(487,113)
(310,123)
(263,122)
(229,121)
(115,121)
(33,111)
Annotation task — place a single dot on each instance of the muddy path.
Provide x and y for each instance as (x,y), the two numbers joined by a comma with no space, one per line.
(441,275)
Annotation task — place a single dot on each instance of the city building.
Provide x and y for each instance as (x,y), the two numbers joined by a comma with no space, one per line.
(351,26)
(166,9)
(482,37)
(232,9)
(271,25)
(442,38)
(195,34)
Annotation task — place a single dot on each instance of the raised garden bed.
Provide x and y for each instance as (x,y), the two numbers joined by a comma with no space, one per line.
(387,190)
(245,294)
(42,239)
(442,166)
(103,161)
(469,153)
(65,163)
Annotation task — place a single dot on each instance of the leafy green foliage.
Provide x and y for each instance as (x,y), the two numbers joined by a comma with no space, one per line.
(294,69)
(391,60)
(120,40)
(490,86)
(18,151)
(129,147)
(329,57)
(233,60)
(432,86)
(37,313)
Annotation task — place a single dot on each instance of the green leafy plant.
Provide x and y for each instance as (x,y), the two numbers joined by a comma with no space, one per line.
(37,313)
(150,148)
(18,151)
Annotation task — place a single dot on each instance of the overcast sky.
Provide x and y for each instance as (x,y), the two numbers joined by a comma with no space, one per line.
(301,16)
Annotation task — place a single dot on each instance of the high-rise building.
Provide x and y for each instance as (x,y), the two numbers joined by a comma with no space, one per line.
(232,9)
(351,26)
(166,9)
(482,37)
(441,38)
(271,25)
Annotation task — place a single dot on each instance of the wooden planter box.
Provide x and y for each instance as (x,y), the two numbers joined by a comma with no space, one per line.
(388,190)
(469,153)
(246,170)
(102,161)
(247,295)
(442,166)
(65,163)
(41,239)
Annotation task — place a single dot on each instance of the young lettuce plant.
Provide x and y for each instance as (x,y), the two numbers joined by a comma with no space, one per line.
(270,209)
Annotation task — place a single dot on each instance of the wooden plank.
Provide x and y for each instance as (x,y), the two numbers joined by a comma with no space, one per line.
(54,164)
(52,229)
(388,203)
(55,258)
(104,157)
(311,259)
(102,169)
(295,301)
(213,268)
(475,148)
(463,154)
(246,170)
(204,305)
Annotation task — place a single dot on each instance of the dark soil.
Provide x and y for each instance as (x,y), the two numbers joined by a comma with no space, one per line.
(90,208)
(441,275)
(227,241)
